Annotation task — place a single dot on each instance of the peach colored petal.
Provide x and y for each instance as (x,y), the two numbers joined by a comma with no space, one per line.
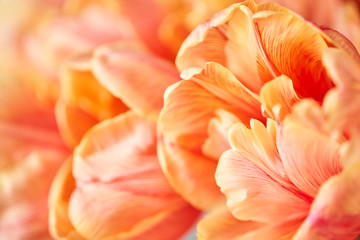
(60,226)
(222,83)
(190,174)
(221,224)
(283,229)
(218,127)
(83,100)
(187,110)
(190,104)
(335,213)
(341,41)
(230,38)
(66,116)
(309,157)
(142,91)
(279,91)
(121,191)
(250,192)
(258,145)
(194,50)
(342,104)
(300,56)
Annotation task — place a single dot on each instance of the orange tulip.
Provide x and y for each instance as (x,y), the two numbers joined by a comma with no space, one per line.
(241,63)
(295,179)
(114,188)
(299,179)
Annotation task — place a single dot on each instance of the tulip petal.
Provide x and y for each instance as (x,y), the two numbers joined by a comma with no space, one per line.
(218,142)
(250,192)
(309,157)
(335,213)
(283,229)
(299,58)
(83,100)
(118,71)
(229,38)
(279,91)
(342,104)
(190,104)
(190,174)
(121,191)
(187,110)
(221,224)
(60,225)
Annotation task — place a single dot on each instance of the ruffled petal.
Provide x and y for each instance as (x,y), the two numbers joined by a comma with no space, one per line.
(309,157)
(252,194)
(335,213)
(258,145)
(279,91)
(118,70)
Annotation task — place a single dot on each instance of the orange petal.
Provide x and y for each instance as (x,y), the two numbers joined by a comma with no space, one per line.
(142,90)
(218,142)
(258,145)
(221,224)
(335,213)
(300,56)
(121,191)
(190,174)
(252,194)
(279,91)
(190,104)
(283,229)
(309,157)
(229,38)
(83,100)
(62,187)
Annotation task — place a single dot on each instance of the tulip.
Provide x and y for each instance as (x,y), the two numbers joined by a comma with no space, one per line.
(236,66)
(295,179)
(114,186)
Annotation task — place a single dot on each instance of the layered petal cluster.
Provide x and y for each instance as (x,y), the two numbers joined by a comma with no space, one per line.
(249,61)
(113,187)
(302,171)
